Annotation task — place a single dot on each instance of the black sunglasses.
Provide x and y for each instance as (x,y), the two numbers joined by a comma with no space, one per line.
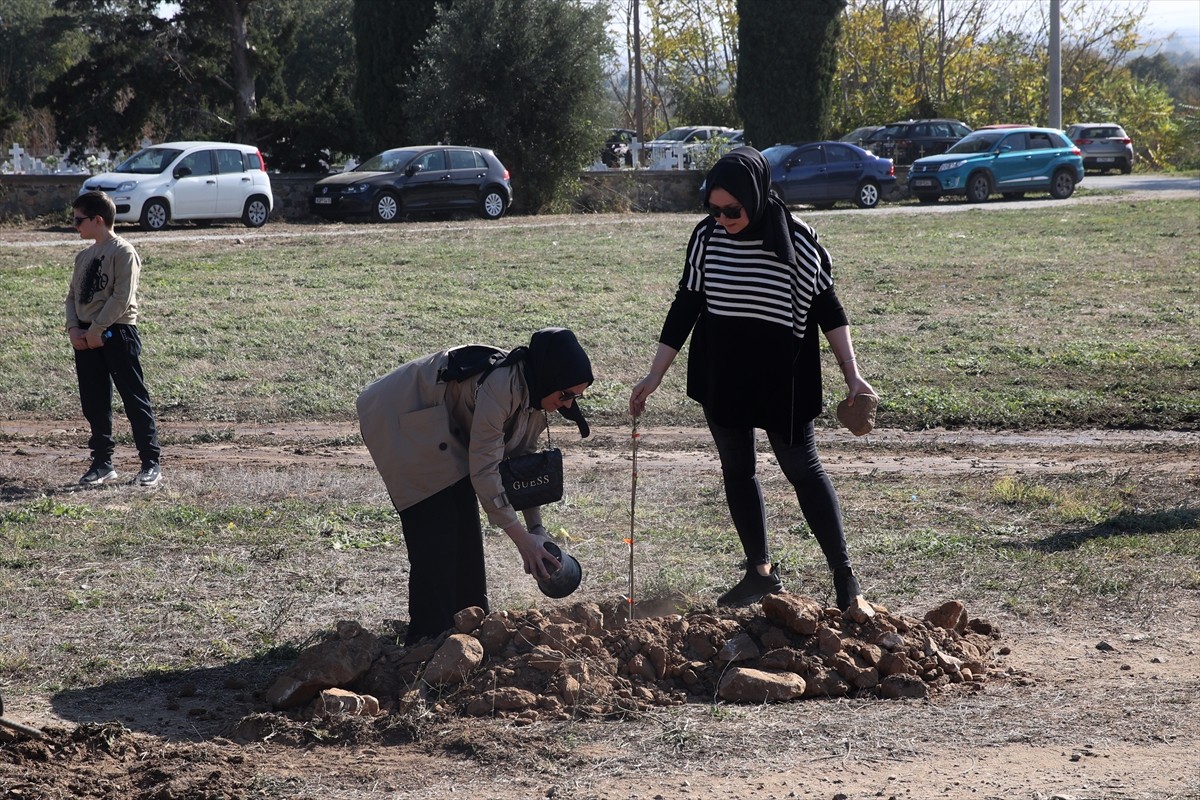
(79,220)
(565,397)
(728,212)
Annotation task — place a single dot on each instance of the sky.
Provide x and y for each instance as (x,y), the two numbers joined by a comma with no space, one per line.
(1178,18)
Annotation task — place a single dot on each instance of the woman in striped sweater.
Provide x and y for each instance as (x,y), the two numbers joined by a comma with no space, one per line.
(756,285)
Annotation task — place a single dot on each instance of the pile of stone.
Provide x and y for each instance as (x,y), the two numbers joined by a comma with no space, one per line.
(581,662)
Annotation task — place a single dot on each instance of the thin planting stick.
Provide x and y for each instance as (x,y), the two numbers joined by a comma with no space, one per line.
(633,507)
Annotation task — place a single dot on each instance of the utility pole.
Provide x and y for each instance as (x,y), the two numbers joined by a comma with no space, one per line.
(1055,66)
(637,78)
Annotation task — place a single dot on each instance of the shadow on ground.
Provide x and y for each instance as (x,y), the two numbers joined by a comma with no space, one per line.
(185,705)
(1123,524)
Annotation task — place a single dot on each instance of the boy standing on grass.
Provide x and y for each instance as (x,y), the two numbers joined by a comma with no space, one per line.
(101,321)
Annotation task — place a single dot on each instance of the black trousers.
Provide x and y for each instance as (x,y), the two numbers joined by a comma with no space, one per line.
(802,466)
(117,363)
(445,554)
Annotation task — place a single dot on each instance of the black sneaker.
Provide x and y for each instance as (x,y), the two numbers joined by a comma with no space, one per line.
(751,588)
(100,472)
(149,475)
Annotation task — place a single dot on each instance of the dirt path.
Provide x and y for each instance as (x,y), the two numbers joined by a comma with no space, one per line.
(934,451)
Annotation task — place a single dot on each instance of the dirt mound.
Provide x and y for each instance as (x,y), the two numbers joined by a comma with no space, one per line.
(583,662)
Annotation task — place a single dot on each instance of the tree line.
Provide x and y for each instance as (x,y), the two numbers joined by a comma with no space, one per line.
(312,82)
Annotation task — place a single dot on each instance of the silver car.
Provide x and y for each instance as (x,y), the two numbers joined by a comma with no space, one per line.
(1105,146)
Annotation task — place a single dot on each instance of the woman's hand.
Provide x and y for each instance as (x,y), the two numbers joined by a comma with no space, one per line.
(663,358)
(530,544)
(641,392)
(856,385)
(79,338)
(94,338)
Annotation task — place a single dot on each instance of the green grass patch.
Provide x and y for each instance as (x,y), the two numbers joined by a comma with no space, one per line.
(1079,315)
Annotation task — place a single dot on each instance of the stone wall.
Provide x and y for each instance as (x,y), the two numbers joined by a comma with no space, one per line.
(32,196)
(29,196)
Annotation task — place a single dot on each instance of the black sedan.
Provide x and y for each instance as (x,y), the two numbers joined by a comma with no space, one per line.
(822,173)
(411,180)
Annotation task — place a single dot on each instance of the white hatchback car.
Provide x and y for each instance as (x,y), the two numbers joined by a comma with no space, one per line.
(199,181)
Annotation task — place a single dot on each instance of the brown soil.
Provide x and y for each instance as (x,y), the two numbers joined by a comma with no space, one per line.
(1102,706)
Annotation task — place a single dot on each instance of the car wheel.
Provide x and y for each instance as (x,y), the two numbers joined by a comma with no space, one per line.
(155,215)
(1062,185)
(927,198)
(1013,195)
(493,204)
(1126,168)
(868,195)
(386,208)
(255,214)
(978,188)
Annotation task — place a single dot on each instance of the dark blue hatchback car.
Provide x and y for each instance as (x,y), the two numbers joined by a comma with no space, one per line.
(1010,161)
(410,180)
(822,173)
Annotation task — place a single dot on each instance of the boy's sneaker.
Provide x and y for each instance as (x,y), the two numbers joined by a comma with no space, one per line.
(149,475)
(100,472)
(751,588)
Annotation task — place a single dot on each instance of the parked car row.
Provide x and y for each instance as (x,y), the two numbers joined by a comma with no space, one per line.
(206,181)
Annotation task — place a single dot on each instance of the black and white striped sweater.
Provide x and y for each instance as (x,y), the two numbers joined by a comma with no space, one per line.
(754,359)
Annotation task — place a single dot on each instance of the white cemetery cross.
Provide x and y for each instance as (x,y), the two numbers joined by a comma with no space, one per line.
(16,152)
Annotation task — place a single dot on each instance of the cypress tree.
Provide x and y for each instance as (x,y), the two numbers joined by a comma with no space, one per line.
(386,37)
(787,56)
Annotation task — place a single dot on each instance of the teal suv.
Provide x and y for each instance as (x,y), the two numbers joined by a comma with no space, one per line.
(1011,161)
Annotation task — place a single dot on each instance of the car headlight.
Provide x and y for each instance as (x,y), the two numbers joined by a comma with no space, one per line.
(356,188)
(126,186)
(950,165)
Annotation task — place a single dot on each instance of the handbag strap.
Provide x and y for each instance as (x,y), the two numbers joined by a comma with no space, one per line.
(545,416)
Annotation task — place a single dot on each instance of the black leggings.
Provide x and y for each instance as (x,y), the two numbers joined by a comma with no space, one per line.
(445,555)
(802,467)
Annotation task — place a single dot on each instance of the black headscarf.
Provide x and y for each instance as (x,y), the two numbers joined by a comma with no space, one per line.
(555,361)
(745,173)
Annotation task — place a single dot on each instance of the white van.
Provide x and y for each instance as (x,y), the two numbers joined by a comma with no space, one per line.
(199,181)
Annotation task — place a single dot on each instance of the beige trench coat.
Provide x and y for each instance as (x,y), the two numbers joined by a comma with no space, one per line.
(425,435)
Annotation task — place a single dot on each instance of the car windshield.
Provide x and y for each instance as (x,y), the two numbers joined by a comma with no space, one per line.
(778,154)
(675,135)
(150,161)
(980,143)
(387,161)
(889,132)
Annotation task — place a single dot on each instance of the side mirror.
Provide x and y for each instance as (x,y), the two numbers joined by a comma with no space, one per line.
(412,169)
(182,172)
(1003,149)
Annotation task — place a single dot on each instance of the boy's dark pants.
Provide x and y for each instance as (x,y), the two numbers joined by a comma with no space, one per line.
(98,370)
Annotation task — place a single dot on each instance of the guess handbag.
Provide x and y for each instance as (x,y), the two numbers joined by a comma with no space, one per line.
(533,479)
